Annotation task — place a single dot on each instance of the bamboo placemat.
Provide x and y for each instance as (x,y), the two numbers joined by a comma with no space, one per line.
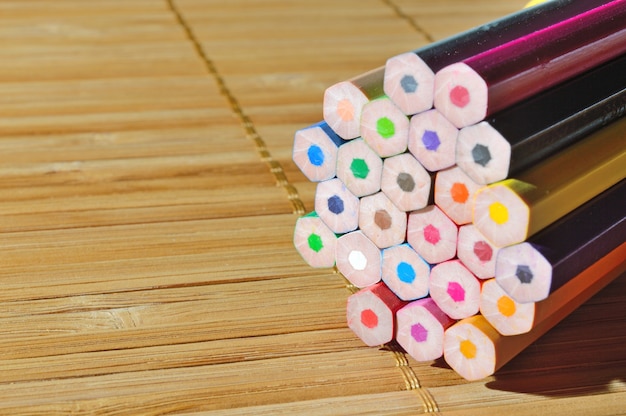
(148,200)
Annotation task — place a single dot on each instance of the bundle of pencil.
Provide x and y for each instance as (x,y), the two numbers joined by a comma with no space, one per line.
(472,191)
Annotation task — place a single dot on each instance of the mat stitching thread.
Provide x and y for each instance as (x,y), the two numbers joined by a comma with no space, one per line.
(410,378)
(411,381)
(251,133)
(398,11)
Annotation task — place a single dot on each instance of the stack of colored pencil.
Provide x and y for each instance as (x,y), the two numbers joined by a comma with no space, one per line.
(472,191)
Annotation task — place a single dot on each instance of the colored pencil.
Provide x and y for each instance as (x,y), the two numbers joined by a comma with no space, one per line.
(405,272)
(432,140)
(411,223)
(455,289)
(454,192)
(371,314)
(359,168)
(476,252)
(314,241)
(409,77)
(405,182)
(382,221)
(315,151)
(468,91)
(510,211)
(384,127)
(420,328)
(432,234)
(344,101)
(520,136)
(589,281)
(475,350)
(337,206)
(504,313)
(358,259)
(531,270)
(410,82)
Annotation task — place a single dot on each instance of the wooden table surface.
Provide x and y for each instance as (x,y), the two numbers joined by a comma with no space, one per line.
(148,200)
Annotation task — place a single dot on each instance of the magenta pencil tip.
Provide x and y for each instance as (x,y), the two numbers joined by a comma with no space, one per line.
(461,95)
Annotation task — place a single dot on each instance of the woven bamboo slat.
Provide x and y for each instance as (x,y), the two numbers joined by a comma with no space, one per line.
(147,200)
